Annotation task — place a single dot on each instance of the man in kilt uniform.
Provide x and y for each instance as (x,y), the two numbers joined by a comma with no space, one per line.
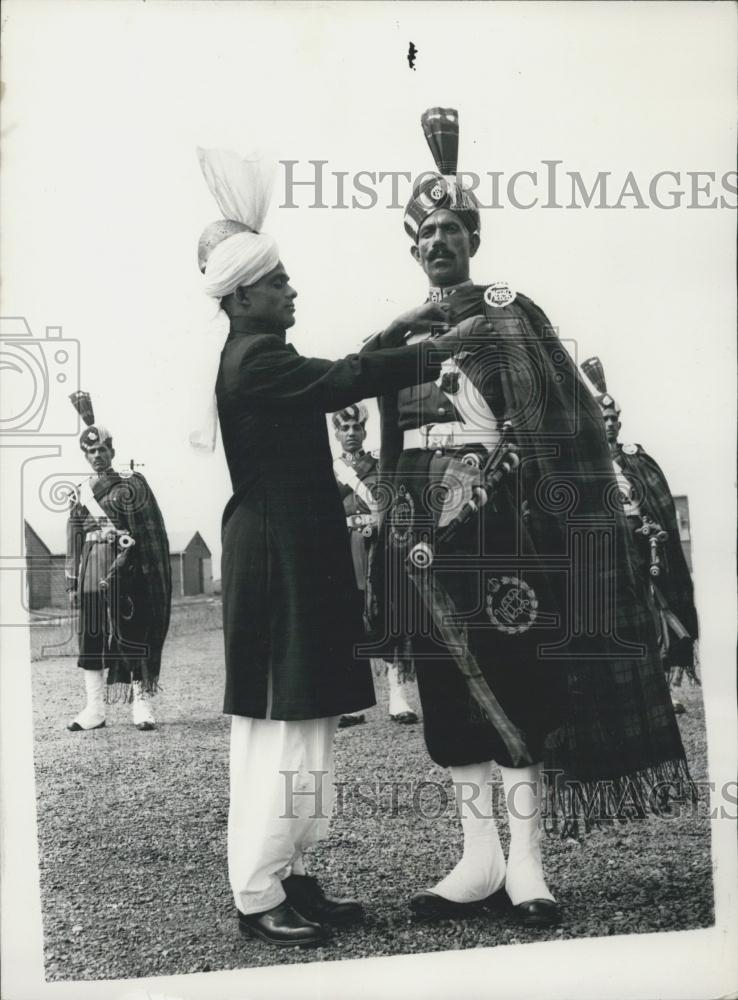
(654,533)
(502,572)
(356,473)
(118,578)
(291,612)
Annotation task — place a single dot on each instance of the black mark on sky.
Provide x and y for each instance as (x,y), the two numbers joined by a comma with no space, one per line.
(411,54)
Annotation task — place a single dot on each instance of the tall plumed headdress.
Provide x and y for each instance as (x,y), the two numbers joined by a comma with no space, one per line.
(357,411)
(432,190)
(231,252)
(594,371)
(93,434)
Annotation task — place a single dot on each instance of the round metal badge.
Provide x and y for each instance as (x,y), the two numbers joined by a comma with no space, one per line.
(512,605)
(499,295)
(438,191)
(630,449)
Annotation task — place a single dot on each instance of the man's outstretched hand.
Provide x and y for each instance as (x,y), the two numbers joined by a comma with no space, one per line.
(419,320)
(467,334)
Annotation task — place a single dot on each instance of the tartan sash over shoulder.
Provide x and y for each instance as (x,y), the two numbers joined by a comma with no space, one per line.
(618,752)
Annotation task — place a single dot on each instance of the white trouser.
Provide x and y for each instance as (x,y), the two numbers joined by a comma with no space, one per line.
(278,808)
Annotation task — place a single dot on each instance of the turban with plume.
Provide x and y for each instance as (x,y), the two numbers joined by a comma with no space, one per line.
(595,373)
(231,252)
(433,191)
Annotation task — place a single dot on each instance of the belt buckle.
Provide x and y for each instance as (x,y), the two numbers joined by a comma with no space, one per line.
(443,439)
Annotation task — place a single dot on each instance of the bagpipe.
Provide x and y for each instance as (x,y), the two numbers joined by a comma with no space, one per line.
(124,542)
(500,462)
(656,537)
(366,523)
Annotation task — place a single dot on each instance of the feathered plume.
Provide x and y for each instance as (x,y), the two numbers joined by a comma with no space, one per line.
(83,405)
(441,129)
(594,371)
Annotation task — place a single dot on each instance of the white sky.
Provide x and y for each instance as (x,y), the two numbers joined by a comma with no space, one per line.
(102,203)
(103,200)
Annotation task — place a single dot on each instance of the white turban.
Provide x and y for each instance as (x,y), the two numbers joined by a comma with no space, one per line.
(242,189)
(240,259)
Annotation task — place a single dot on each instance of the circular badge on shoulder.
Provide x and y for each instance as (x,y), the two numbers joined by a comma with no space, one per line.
(499,295)
(511,605)
(630,449)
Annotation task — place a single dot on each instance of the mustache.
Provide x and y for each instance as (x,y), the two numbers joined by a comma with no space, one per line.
(441,253)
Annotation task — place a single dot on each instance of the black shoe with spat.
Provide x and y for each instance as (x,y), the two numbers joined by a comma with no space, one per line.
(428,905)
(74,727)
(537,913)
(304,893)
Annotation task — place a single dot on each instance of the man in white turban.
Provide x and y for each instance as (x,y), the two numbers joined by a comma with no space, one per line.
(291,613)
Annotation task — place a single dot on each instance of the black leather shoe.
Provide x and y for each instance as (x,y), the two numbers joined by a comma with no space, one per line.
(405,718)
(537,913)
(305,894)
(145,727)
(281,926)
(427,905)
(74,727)
(350,720)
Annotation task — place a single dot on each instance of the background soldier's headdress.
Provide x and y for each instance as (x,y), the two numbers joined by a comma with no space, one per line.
(94,434)
(431,190)
(357,411)
(594,371)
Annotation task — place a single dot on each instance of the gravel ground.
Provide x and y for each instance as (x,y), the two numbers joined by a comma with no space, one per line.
(132,833)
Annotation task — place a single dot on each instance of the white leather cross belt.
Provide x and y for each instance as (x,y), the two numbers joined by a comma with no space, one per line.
(449,435)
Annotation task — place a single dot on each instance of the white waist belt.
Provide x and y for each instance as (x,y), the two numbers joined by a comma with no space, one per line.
(449,435)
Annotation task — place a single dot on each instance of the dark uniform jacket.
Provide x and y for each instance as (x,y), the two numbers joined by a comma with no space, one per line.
(291,611)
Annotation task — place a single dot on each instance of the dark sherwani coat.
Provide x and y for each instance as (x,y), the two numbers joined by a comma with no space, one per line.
(291,610)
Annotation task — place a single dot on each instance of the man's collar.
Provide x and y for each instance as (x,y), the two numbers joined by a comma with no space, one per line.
(351,458)
(436,294)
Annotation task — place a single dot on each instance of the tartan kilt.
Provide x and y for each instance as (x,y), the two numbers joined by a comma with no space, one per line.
(560,525)
(504,613)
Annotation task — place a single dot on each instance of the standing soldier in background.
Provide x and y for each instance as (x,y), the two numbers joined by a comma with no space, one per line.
(356,471)
(657,548)
(118,579)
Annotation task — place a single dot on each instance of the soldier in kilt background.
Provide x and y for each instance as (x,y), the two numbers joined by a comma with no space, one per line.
(356,473)
(502,570)
(656,546)
(118,577)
